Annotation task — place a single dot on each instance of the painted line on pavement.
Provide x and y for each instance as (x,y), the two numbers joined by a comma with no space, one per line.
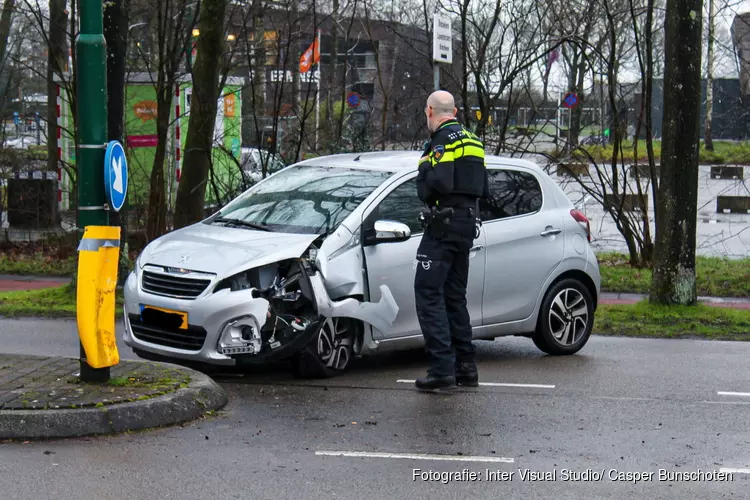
(413,456)
(734,471)
(495,384)
(743,394)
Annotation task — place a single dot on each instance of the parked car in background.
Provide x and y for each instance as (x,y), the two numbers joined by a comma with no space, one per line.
(252,161)
(316,263)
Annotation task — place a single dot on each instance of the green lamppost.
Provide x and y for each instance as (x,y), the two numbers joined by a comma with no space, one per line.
(91,112)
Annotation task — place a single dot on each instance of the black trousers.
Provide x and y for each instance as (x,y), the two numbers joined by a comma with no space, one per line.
(442,273)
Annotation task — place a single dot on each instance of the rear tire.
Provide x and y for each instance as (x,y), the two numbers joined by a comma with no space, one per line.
(330,352)
(566,318)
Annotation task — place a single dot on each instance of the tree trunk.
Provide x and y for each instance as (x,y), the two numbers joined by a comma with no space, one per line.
(191,193)
(5,23)
(673,280)
(259,79)
(56,57)
(334,143)
(708,133)
(156,224)
(115,34)
(464,12)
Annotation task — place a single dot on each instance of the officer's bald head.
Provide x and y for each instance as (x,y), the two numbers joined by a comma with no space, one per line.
(440,107)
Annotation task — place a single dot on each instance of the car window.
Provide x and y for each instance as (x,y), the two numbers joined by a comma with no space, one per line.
(512,193)
(402,205)
(308,199)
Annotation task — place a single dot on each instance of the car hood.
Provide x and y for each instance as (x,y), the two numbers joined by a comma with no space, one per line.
(223,250)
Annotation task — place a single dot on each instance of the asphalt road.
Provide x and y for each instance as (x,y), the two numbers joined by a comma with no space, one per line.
(621,410)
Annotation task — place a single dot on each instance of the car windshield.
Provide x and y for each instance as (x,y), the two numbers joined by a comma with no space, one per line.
(307,199)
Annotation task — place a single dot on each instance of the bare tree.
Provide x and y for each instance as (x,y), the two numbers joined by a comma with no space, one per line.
(199,142)
(673,280)
(708,133)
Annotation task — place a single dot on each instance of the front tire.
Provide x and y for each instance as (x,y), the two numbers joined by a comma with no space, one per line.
(330,351)
(566,318)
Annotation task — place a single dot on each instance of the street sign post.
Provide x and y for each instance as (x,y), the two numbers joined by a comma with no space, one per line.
(91,103)
(115,175)
(442,44)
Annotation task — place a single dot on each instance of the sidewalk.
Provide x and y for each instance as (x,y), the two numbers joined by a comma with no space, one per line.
(632,298)
(12,282)
(41,397)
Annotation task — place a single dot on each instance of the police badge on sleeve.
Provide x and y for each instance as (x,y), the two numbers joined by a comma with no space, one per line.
(438,152)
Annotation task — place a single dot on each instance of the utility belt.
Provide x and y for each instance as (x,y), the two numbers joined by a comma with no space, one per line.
(437,221)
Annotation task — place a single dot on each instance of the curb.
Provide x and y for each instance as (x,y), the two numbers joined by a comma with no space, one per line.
(185,404)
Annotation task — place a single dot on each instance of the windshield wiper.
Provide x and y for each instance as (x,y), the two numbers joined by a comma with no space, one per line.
(242,223)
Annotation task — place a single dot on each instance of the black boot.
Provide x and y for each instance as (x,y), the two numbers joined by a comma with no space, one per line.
(466,374)
(431,383)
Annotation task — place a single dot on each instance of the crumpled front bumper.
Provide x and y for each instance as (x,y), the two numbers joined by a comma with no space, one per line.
(210,313)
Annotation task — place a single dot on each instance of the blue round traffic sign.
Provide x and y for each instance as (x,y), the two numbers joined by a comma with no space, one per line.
(115,175)
(570,100)
(353,99)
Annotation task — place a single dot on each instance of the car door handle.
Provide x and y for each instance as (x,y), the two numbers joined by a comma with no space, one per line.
(551,231)
(476,248)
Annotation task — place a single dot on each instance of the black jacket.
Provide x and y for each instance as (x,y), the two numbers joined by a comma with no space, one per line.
(452,171)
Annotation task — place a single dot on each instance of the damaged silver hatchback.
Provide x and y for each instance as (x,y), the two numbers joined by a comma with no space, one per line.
(316,263)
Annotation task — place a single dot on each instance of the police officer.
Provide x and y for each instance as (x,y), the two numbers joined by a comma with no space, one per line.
(452,178)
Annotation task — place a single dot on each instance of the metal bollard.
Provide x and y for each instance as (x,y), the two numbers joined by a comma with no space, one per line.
(98,259)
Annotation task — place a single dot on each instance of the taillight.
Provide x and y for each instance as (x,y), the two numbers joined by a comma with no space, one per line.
(583,221)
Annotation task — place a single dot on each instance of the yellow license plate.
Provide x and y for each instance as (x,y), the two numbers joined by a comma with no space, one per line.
(182,315)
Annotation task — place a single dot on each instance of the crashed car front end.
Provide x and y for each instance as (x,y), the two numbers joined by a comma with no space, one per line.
(263,313)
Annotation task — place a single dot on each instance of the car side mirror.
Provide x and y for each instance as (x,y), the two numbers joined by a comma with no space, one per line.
(388,231)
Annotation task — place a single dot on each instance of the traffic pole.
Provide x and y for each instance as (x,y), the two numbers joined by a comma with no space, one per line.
(91,107)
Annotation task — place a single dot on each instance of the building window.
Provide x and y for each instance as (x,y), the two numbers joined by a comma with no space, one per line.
(271,47)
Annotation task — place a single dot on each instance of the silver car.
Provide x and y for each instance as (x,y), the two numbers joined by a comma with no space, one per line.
(316,264)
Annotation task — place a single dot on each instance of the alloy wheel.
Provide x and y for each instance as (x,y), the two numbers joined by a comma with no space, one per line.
(334,343)
(568,316)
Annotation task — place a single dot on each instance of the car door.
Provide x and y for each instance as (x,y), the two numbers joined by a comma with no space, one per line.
(394,264)
(524,243)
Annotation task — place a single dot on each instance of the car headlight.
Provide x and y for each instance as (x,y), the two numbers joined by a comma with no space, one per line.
(353,242)
(256,277)
(239,281)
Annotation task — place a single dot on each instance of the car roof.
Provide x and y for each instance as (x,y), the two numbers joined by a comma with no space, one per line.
(400,161)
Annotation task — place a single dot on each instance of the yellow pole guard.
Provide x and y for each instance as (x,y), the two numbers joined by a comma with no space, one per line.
(98,257)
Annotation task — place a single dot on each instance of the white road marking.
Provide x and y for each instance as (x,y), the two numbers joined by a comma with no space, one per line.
(745,394)
(734,471)
(495,384)
(414,456)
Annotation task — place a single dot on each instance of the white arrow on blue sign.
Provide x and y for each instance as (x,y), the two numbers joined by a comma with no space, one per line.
(115,175)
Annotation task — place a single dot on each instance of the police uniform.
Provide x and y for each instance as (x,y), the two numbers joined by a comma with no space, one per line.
(452,177)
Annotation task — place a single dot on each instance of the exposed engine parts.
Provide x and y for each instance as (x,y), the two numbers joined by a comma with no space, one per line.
(292,310)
